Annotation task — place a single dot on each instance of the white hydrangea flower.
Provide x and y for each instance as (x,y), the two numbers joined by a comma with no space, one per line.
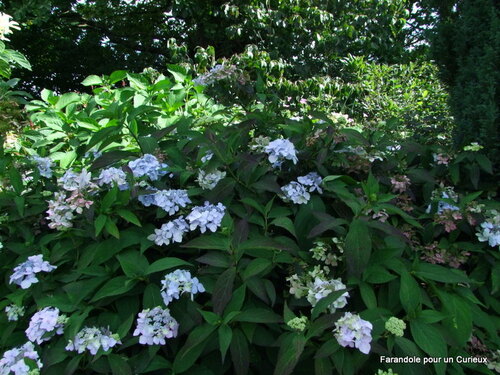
(172,200)
(354,332)
(490,229)
(24,273)
(45,324)
(208,181)
(280,150)
(321,288)
(208,156)
(112,176)
(44,165)
(14,312)
(72,181)
(59,213)
(6,25)
(154,326)
(312,181)
(296,193)
(149,166)
(179,282)
(13,361)
(207,216)
(173,231)
(92,339)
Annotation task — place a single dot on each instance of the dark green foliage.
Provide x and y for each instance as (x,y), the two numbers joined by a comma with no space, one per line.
(467,49)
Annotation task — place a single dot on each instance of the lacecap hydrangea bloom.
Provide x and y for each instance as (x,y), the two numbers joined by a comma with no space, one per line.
(296,193)
(173,231)
(172,200)
(206,217)
(59,213)
(321,288)
(311,181)
(490,229)
(92,339)
(72,181)
(177,283)
(354,332)
(6,25)
(154,326)
(44,165)
(13,361)
(280,150)
(113,176)
(45,324)
(208,181)
(14,312)
(395,326)
(25,273)
(149,166)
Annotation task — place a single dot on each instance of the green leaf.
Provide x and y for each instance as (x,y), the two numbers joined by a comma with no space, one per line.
(428,338)
(129,216)
(428,271)
(223,290)
(210,317)
(258,315)
(66,99)
(92,80)
(16,180)
(290,351)
(327,349)
(111,228)
(109,198)
(193,347)
(165,264)
(236,302)
(430,316)
(211,241)
(114,287)
(119,365)
(459,320)
(358,247)
(225,337)
(255,267)
(368,295)
(152,296)
(99,224)
(239,352)
(133,263)
(409,292)
(484,163)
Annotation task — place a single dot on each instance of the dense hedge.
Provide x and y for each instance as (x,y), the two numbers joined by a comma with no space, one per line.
(260,242)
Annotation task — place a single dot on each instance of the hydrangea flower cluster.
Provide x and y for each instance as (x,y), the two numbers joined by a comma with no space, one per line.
(400,183)
(354,332)
(321,288)
(207,157)
(217,73)
(170,201)
(177,283)
(44,165)
(24,273)
(72,181)
(298,324)
(280,150)
(388,372)
(395,326)
(173,231)
(6,25)
(446,193)
(44,324)
(490,229)
(298,192)
(149,166)
(206,217)
(14,312)
(113,176)
(315,286)
(154,326)
(208,181)
(92,339)
(13,361)
(59,213)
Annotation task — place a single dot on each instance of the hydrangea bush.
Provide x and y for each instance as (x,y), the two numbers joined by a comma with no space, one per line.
(148,229)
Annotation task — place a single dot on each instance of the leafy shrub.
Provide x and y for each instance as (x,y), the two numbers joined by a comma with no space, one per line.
(258,242)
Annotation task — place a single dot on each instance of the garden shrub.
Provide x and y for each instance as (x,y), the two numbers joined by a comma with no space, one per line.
(148,229)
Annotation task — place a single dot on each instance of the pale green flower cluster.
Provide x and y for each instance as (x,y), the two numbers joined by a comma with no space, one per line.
(298,324)
(494,363)
(6,25)
(474,146)
(395,326)
(388,372)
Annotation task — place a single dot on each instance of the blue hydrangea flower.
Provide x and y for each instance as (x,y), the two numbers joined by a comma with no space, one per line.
(173,231)
(206,217)
(280,150)
(44,324)
(296,193)
(149,166)
(354,332)
(13,361)
(179,282)
(44,165)
(113,176)
(154,326)
(25,273)
(92,339)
